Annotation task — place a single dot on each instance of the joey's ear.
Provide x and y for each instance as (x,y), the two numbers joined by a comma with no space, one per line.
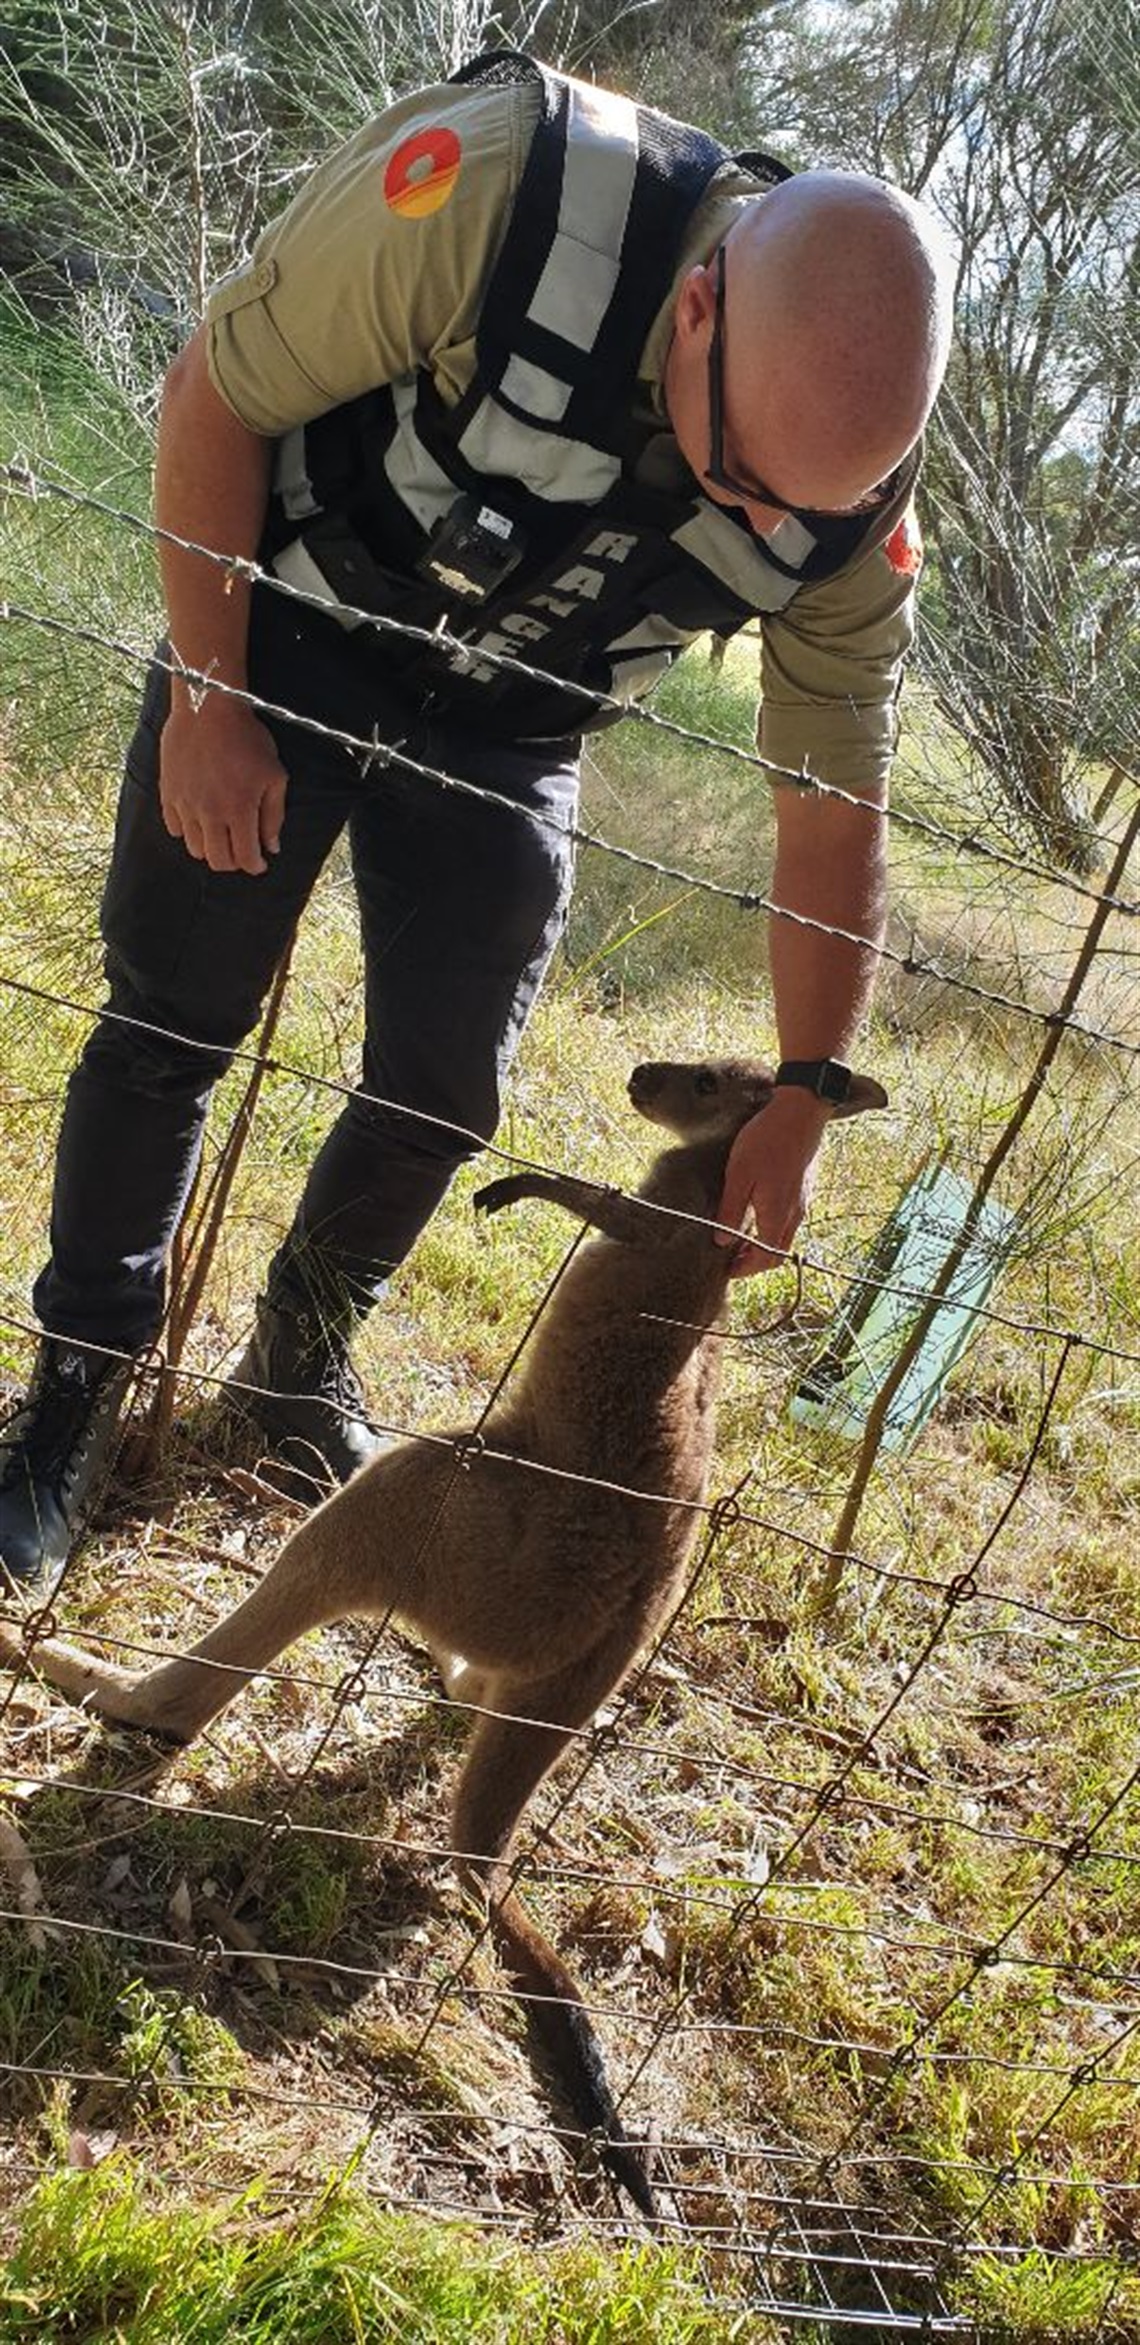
(863,1093)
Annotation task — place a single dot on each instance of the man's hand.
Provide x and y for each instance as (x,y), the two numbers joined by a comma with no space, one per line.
(222,783)
(770,1177)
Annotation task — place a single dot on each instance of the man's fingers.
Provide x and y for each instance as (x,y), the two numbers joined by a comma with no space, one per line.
(732,1213)
(245,855)
(236,840)
(193,839)
(272,816)
(752,1260)
(749,1255)
(243,843)
(767,1243)
(223,792)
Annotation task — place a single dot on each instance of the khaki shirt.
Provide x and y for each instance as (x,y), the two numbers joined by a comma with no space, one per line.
(378,267)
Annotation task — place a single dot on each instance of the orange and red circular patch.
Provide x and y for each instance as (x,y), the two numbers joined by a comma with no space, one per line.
(422,173)
(904,545)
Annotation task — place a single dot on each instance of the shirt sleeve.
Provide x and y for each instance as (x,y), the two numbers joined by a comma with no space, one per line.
(378,265)
(832,663)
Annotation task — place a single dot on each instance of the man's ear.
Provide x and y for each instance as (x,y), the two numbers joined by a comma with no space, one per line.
(864,1092)
(695,303)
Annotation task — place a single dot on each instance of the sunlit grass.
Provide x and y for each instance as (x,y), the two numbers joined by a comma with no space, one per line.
(101,2256)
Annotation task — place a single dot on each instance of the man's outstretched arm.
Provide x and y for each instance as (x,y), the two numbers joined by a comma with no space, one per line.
(832,666)
(831,869)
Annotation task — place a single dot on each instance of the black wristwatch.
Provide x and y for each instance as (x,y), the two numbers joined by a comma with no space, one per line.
(828,1078)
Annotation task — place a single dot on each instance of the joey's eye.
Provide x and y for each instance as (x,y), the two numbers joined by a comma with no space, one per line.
(705,1081)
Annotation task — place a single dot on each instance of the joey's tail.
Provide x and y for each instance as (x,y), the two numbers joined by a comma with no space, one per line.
(555,2009)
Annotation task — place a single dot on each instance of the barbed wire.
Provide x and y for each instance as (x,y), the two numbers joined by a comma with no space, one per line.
(871,2228)
(693,1758)
(375,752)
(24,481)
(763,2037)
(959,1591)
(280,1824)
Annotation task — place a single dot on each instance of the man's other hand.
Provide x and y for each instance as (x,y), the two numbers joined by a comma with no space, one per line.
(222,784)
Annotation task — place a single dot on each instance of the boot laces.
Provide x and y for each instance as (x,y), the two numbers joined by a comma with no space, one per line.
(48,1438)
(331,1377)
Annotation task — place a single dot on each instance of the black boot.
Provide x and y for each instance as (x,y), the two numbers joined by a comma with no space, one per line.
(298,1384)
(52,1453)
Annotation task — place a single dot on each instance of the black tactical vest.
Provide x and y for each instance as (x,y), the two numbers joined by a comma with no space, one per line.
(517,519)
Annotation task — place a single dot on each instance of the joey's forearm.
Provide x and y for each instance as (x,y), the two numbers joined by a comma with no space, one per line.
(608,1210)
(211,486)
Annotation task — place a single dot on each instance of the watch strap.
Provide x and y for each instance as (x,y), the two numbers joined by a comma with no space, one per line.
(828,1078)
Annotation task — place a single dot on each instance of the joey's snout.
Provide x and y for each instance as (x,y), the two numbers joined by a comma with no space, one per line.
(645,1083)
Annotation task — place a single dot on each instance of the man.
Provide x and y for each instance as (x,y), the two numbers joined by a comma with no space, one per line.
(531,367)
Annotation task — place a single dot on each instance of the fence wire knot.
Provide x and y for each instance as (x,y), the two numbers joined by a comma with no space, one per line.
(963,1589)
(588,2155)
(352,1687)
(151,1364)
(466,1447)
(39,1627)
(724,1514)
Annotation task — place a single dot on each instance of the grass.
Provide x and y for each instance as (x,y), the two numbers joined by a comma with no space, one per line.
(259,1930)
(99,2259)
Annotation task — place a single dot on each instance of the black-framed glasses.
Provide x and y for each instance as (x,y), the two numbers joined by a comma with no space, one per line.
(757,492)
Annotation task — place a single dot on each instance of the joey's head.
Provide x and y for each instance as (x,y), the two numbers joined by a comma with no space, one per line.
(704,1099)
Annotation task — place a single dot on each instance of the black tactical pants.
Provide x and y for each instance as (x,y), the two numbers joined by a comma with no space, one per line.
(461,905)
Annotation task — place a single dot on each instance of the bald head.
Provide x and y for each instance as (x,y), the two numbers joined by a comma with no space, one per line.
(836,328)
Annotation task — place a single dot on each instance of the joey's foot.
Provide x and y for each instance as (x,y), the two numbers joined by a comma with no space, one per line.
(88,1685)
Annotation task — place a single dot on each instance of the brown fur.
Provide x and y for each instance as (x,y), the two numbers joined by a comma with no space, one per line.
(535,1593)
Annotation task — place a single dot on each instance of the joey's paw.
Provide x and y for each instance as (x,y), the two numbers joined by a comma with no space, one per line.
(495,1195)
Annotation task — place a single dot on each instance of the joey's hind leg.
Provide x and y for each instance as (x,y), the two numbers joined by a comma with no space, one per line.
(511,1753)
(179,1697)
(351,1554)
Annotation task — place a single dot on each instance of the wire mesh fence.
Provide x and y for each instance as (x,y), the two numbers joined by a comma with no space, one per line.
(847,1864)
